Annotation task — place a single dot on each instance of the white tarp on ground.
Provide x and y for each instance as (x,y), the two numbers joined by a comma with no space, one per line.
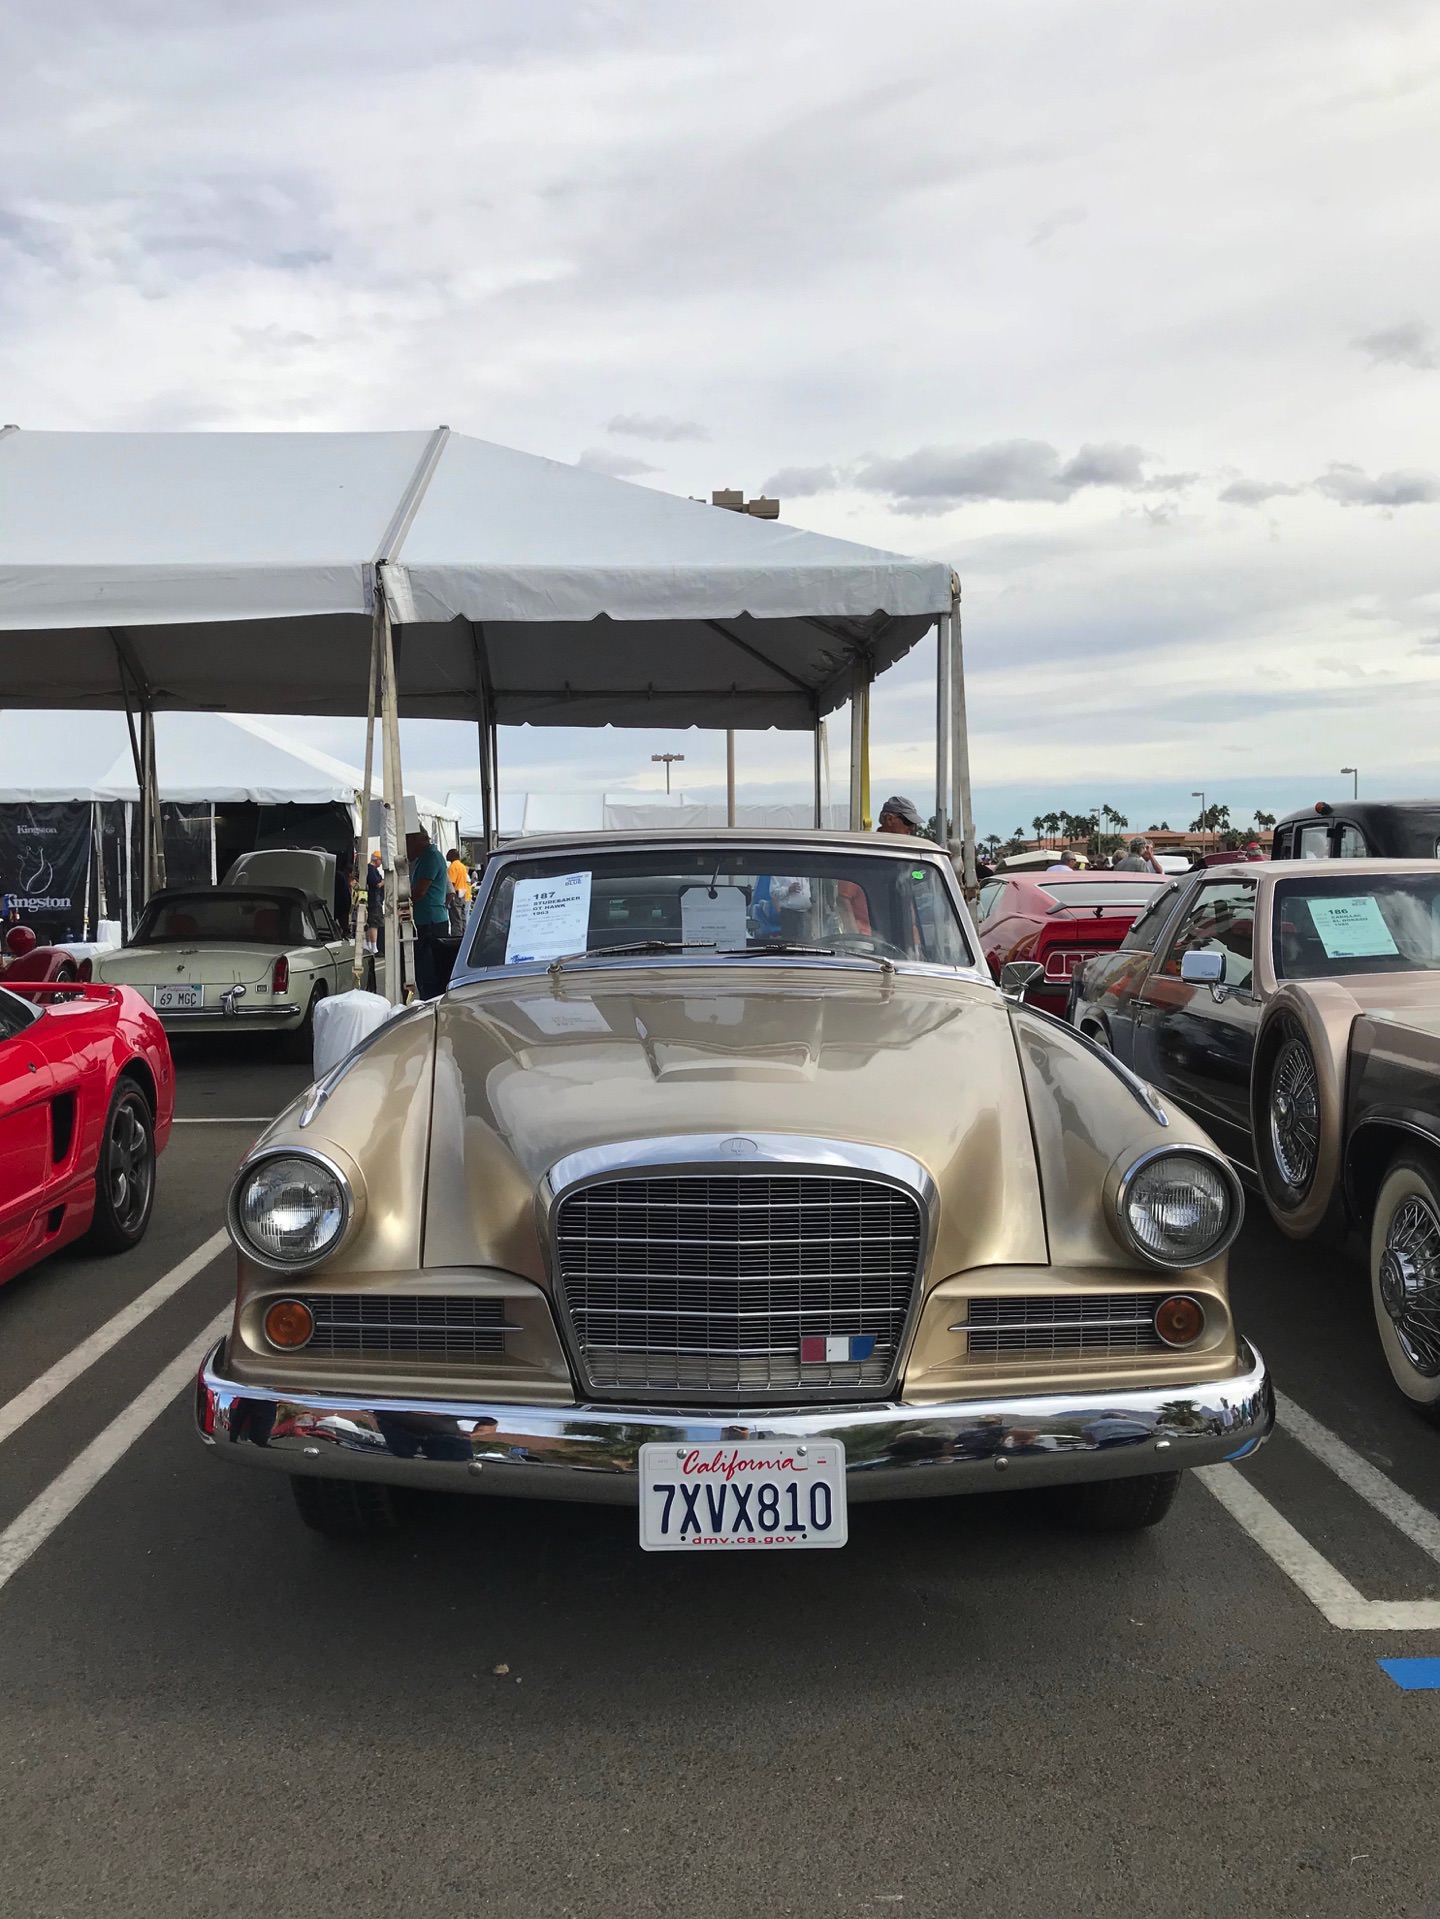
(236,571)
(219,758)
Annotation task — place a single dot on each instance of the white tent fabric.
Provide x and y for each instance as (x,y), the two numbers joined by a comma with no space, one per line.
(219,758)
(532,813)
(235,570)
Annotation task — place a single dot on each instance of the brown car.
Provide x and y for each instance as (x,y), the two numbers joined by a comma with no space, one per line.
(690,1195)
(1293,1009)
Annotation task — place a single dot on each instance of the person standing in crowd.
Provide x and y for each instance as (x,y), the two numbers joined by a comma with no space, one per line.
(1139,858)
(375,905)
(457,898)
(899,815)
(428,880)
(345,892)
(1068,862)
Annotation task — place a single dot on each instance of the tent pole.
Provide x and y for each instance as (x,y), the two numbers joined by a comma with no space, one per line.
(729,775)
(494,840)
(214,865)
(960,745)
(357,965)
(859,746)
(818,767)
(944,817)
(397,872)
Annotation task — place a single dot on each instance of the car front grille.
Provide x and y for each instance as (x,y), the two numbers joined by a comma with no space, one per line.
(709,1283)
(401,1325)
(1084,1326)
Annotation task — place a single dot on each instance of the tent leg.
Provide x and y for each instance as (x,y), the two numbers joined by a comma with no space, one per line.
(729,776)
(151,824)
(494,840)
(397,872)
(960,748)
(214,863)
(357,964)
(945,829)
(860,747)
(818,771)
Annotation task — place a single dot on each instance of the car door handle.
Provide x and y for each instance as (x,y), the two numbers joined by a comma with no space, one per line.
(33,1067)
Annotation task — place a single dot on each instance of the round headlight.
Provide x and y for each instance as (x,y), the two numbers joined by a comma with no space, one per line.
(290,1210)
(1180,1208)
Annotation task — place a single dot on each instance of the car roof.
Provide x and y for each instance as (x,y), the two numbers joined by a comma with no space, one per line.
(286,895)
(1362,810)
(1319,869)
(820,838)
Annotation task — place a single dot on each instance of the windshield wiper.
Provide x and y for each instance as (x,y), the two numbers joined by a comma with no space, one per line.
(631,946)
(765,947)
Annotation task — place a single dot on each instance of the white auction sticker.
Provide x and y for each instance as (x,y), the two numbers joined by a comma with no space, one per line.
(712,916)
(548,918)
(1352,928)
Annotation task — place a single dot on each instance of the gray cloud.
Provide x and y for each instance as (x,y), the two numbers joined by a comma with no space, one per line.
(1056,222)
(655,426)
(936,478)
(1408,343)
(620,466)
(1352,486)
(1255,492)
(800,482)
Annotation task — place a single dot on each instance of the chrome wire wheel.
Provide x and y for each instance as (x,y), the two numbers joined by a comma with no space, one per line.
(1294,1117)
(129,1171)
(1408,1282)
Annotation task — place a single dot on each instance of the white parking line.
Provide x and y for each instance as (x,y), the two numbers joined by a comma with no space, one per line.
(26,1534)
(1407,1515)
(1327,1589)
(39,1393)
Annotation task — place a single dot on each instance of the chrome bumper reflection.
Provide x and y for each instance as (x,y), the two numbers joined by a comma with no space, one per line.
(592,1453)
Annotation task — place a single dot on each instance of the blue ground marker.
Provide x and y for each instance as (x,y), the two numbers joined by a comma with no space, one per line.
(1413,1675)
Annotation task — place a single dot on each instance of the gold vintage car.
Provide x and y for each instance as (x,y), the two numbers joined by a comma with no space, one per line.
(723,1183)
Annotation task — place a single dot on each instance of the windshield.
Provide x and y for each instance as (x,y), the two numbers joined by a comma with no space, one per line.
(231,917)
(1137,892)
(728,898)
(1388,923)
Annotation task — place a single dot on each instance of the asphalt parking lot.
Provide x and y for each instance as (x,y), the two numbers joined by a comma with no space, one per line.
(967,1712)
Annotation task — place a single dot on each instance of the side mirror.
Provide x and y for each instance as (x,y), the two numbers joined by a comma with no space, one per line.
(1202,968)
(1018,976)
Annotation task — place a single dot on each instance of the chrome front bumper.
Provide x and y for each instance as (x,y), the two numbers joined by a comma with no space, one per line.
(592,1453)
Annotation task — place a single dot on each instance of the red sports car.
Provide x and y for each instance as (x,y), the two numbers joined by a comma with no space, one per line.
(1059,920)
(87,1094)
(22,957)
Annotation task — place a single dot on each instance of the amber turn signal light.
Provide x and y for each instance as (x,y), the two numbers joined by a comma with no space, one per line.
(289,1323)
(1179,1320)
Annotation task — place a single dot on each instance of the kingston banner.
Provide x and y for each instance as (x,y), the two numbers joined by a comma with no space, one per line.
(44,866)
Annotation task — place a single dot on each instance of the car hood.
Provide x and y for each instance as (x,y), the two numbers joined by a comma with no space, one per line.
(528,1071)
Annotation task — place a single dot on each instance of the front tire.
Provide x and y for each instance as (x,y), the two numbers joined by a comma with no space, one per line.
(1405,1279)
(345,1508)
(1288,1123)
(1117,1505)
(125,1176)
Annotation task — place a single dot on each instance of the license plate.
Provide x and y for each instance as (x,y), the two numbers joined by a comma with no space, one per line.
(175,999)
(765,1495)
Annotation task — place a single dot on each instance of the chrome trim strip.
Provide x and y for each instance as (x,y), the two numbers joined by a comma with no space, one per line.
(1227,1238)
(592,1453)
(246,1246)
(742,1154)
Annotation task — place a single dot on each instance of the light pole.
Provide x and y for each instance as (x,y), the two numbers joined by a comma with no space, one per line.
(1201,798)
(668,760)
(1354,771)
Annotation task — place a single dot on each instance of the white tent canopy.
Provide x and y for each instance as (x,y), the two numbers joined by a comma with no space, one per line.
(219,758)
(238,571)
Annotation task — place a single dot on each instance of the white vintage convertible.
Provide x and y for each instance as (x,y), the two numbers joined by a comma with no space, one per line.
(255,954)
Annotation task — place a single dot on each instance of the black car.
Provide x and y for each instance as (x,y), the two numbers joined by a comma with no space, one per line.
(1360,829)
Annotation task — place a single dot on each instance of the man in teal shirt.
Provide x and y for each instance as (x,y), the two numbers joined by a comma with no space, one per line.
(427,903)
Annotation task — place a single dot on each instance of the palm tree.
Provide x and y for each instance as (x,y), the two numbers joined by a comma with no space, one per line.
(1052,822)
(1264,820)
(1039,825)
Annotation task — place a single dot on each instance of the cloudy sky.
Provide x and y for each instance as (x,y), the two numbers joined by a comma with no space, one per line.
(1131,312)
